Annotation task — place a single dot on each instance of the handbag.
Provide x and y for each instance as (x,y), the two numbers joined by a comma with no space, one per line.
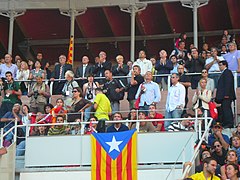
(213,109)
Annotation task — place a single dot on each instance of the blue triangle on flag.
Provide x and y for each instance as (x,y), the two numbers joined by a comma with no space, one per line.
(114,143)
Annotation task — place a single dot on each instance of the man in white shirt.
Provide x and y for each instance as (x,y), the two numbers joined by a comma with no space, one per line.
(211,65)
(143,63)
(175,100)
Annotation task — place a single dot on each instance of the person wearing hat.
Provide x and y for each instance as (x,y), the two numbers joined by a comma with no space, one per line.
(217,135)
(144,126)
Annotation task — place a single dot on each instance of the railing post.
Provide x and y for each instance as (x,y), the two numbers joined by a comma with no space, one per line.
(235,102)
(15,130)
(1,145)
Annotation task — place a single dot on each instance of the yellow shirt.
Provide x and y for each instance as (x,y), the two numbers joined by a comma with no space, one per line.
(200,176)
(103,108)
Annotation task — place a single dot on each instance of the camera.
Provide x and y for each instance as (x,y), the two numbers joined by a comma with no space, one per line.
(35,94)
(89,95)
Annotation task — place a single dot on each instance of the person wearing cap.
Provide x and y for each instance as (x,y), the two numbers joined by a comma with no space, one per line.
(144,126)
(11,93)
(39,94)
(117,127)
(217,135)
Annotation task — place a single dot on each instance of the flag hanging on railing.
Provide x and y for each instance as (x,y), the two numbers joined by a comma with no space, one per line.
(114,156)
(70,51)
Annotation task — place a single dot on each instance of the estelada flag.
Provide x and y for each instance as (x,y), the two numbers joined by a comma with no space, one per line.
(70,51)
(114,156)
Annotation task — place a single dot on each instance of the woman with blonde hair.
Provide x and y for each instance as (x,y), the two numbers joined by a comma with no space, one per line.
(23,74)
(202,97)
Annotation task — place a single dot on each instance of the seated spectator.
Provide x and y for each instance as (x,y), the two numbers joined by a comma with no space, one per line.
(25,116)
(173,59)
(40,130)
(132,115)
(210,82)
(231,158)
(76,129)
(10,117)
(201,98)
(218,152)
(59,109)
(23,74)
(78,106)
(120,69)
(159,125)
(58,129)
(48,114)
(237,132)
(11,94)
(232,171)
(204,154)
(117,127)
(89,94)
(217,135)
(92,127)
(37,71)
(209,168)
(67,91)
(223,50)
(182,37)
(144,126)
(39,94)
(184,125)
(235,143)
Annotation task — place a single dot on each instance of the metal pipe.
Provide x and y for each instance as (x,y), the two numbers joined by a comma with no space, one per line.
(10,35)
(195,23)
(132,50)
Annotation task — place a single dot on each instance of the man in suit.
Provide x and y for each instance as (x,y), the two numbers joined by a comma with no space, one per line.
(83,70)
(101,66)
(226,94)
(59,73)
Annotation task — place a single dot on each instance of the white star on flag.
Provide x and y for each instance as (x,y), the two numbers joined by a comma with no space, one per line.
(114,144)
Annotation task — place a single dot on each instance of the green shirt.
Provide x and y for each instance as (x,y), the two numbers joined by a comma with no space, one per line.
(13,98)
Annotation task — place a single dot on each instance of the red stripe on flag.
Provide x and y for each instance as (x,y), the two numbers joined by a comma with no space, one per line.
(98,157)
(108,167)
(119,166)
(129,160)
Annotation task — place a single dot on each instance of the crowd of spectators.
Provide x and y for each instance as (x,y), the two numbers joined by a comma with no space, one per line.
(92,93)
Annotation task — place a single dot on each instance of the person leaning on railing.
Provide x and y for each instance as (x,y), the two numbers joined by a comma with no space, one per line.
(59,129)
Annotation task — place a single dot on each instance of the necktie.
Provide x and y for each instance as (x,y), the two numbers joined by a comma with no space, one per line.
(61,70)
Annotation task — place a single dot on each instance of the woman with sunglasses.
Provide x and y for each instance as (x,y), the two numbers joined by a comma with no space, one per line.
(231,158)
(78,105)
(210,82)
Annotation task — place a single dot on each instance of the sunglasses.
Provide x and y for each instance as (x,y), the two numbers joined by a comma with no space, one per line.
(173,77)
(74,91)
(204,72)
(216,146)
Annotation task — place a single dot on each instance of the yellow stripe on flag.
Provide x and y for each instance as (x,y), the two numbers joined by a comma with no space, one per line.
(94,164)
(114,169)
(103,164)
(124,163)
(134,156)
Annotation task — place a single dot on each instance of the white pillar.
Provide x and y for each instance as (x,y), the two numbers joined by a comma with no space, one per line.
(195,23)
(10,34)
(132,49)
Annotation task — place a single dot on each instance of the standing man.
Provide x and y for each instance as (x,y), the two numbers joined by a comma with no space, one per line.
(175,100)
(84,70)
(101,66)
(149,92)
(42,61)
(8,67)
(113,90)
(226,94)
(143,63)
(59,73)
(136,80)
